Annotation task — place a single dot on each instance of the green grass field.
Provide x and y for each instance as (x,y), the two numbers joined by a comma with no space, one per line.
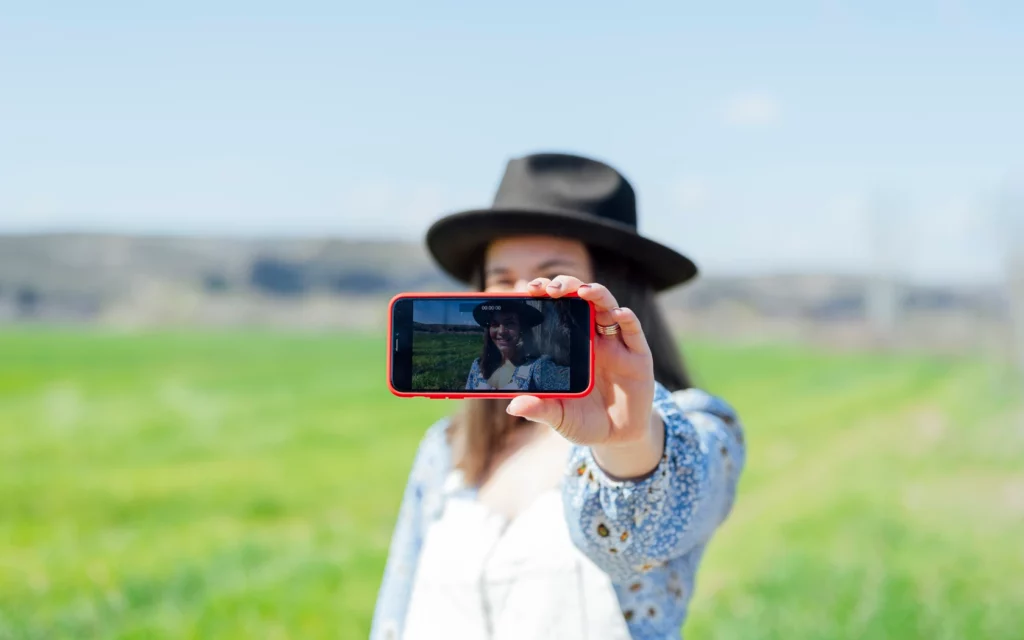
(245,485)
(441,361)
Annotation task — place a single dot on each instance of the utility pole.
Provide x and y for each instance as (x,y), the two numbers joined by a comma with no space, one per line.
(1010,220)
(884,215)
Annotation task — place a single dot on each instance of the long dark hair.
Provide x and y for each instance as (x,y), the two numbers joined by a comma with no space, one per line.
(490,355)
(482,426)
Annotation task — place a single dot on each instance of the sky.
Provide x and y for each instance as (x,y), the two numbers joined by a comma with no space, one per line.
(443,312)
(823,135)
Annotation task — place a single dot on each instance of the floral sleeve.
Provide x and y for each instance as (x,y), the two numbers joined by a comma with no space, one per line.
(548,376)
(648,535)
(476,377)
(419,502)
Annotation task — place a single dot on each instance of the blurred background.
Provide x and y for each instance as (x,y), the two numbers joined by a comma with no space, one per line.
(204,208)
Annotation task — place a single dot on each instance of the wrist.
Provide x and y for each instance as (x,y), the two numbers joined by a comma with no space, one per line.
(634,459)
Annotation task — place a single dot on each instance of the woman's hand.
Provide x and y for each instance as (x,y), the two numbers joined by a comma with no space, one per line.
(616,419)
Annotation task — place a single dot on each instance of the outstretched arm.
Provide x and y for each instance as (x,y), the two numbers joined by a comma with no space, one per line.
(650,479)
(629,527)
(649,534)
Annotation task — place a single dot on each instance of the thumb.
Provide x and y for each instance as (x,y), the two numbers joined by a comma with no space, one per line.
(549,412)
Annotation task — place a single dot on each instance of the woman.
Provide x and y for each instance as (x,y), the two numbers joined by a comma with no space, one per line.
(510,359)
(547,518)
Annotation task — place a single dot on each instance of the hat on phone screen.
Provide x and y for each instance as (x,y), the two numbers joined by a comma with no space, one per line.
(562,195)
(528,315)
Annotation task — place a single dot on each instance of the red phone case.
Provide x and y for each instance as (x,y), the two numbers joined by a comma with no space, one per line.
(455,395)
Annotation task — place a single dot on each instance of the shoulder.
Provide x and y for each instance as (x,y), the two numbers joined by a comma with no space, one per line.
(435,439)
(436,434)
(545,363)
(544,368)
(540,361)
(695,413)
(475,374)
(698,400)
(433,456)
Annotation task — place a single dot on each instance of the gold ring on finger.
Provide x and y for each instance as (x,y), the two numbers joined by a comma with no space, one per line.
(608,330)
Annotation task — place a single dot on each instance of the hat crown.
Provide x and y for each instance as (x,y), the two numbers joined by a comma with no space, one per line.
(569,183)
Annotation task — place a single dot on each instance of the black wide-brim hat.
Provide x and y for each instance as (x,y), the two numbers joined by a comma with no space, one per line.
(561,195)
(529,315)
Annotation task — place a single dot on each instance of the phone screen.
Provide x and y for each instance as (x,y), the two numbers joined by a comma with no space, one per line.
(491,345)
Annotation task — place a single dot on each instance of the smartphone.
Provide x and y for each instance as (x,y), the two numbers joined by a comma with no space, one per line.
(476,345)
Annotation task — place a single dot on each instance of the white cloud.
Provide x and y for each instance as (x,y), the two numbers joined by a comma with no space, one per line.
(752,110)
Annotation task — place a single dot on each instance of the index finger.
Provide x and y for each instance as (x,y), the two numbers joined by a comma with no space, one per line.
(599,294)
(563,285)
(603,300)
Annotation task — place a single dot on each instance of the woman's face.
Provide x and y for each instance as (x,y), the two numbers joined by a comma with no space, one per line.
(505,332)
(510,264)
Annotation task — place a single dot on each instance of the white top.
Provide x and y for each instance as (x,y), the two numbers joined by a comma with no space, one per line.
(502,376)
(483,577)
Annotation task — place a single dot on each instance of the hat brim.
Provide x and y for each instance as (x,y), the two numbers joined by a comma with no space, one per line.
(457,241)
(529,316)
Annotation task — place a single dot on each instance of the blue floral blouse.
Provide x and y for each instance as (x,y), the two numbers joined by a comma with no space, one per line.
(648,535)
(541,374)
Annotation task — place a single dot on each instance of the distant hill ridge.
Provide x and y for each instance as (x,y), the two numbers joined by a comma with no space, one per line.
(80,277)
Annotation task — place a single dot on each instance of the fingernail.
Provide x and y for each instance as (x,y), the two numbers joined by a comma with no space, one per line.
(536,283)
(617,310)
(555,285)
(583,287)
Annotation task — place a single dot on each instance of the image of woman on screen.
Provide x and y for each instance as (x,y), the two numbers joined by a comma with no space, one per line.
(510,358)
